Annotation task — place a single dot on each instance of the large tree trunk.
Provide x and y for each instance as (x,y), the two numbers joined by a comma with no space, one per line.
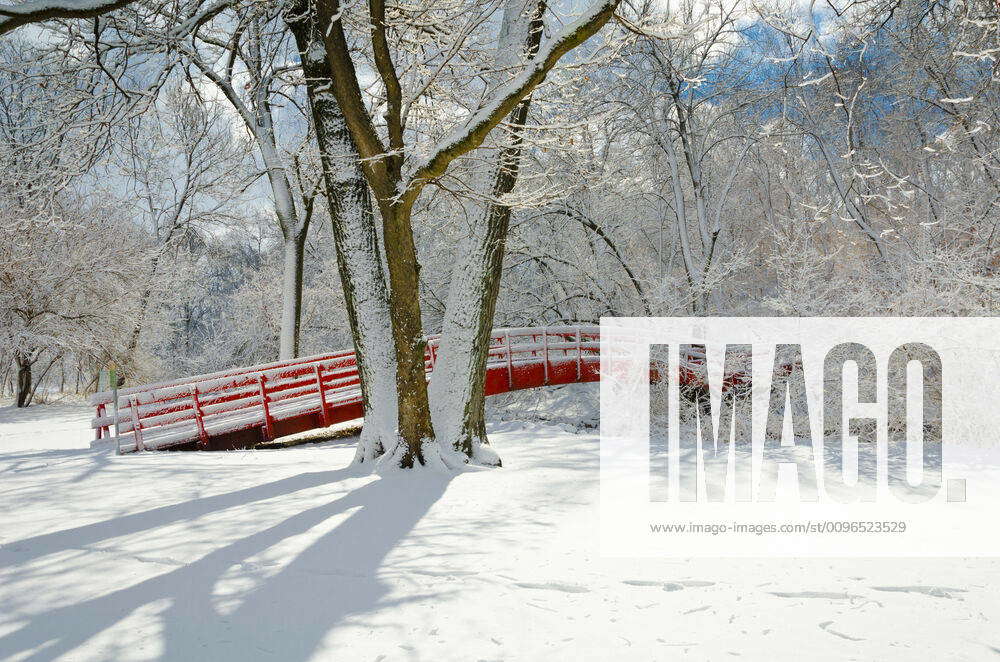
(457,386)
(291,293)
(415,428)
(359,264)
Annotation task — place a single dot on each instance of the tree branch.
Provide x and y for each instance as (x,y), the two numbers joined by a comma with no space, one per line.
(36,11)
(474,130)
(347,91)
(393,92)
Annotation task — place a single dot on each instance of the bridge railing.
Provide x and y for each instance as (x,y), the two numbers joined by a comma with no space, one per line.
(166,414)
(182,411)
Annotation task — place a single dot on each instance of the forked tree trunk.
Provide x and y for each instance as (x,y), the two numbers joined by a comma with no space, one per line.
(382,165)
(413,420)
(458,383)
(356,241)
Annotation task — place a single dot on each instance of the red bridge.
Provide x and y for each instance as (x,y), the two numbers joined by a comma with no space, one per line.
(248,406)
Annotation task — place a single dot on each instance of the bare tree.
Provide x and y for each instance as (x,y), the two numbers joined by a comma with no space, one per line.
(397,184)
(253,54)
(179,167)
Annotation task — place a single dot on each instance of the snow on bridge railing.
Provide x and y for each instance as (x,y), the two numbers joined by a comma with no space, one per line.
(165,415)
(195,409)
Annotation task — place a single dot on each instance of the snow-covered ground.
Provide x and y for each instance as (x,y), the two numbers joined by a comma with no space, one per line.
(292,555)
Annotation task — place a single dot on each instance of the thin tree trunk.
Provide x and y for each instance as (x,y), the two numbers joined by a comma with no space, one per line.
(24,391)
(140,320)
(259,122)
(5,379)
(458,382)
(39,380)
(291,294)
(356,240)
(680,211)
(94,383)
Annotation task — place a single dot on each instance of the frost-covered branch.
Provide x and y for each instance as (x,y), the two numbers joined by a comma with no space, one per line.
(37,11)
(474,129)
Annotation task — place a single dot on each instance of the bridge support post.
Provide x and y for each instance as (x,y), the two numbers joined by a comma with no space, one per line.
(136,425)
(268,424)
(199,419)
(545,353)
(431,354)
(322,396)
(510,362)
(579,354)
(100,428)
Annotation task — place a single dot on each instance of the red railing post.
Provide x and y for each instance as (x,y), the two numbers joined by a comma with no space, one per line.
(198,418)
(545,353)
(136,425)
(268,426)
(510,362)
(322,396)
(100,428)
(579,354)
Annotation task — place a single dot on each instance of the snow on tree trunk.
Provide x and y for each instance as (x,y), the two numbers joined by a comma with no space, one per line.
(291,295)
(414,443)
(294,232)
(458,382)
(359,263)
(396,191)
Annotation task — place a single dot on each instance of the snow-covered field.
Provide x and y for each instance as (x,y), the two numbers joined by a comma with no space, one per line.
(291,555)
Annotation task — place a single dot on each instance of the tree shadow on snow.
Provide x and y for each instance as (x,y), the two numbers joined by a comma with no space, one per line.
(286,614)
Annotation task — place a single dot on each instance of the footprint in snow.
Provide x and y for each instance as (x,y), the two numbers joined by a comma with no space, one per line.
(818,594)
(444,573)
(825,626)
(933,591)
(668,586)
(554,586)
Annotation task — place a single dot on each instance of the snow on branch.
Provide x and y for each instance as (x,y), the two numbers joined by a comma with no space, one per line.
(36,11)
(473,131)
